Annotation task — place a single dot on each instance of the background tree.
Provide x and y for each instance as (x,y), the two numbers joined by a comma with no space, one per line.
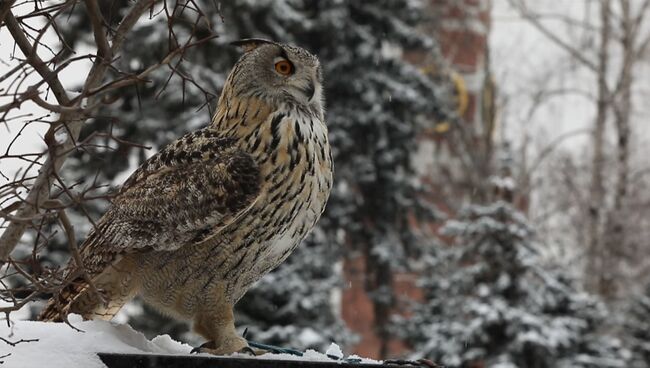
(490,301)
(605,46)
(637,325)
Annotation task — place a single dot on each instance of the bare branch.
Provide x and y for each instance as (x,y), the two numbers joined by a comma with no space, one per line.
(35,61)
(5,8)
(74,250)
(128,22)
(14,343)
(546,151)
(132,79)
(103,48)
(72,121)
(535,21)
(39,202)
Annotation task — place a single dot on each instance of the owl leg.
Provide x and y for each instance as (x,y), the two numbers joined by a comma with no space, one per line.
(218,326)
(214,319)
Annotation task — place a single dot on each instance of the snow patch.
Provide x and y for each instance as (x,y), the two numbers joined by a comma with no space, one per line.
(310,337)
(334,350)
(315,356)
(59,345)
(48,344)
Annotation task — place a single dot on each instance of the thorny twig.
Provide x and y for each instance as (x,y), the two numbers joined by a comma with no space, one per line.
(39,202)
(14,343)
(4,356)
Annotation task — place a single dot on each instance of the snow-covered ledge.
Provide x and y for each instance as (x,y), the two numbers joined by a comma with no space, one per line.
(100,344)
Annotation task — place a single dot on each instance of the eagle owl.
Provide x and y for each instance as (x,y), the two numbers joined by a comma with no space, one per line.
(199,222)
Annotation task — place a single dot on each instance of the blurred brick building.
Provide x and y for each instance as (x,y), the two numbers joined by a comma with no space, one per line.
(462,28)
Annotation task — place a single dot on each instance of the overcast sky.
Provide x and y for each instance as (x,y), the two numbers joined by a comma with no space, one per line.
(523,59)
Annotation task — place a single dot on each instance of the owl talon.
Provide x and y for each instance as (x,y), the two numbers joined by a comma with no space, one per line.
(248,350)
(203,348)
(225,347)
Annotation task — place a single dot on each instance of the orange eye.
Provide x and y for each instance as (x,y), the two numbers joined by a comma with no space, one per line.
(284,67)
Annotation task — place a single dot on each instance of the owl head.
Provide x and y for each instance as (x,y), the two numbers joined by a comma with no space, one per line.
(278,73)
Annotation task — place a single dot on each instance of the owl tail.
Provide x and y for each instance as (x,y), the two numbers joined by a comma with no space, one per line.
(58,307)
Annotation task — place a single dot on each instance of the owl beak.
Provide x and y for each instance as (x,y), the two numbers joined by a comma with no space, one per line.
(310,90)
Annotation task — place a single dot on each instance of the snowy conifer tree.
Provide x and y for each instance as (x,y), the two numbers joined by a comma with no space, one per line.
(491,303)
(637,329)
(374,100)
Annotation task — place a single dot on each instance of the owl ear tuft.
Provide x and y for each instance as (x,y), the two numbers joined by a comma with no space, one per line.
(250,44)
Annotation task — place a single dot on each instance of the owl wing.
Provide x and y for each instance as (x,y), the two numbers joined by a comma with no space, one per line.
(189,190)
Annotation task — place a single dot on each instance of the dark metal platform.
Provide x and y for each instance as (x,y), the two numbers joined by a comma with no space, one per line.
(184,361)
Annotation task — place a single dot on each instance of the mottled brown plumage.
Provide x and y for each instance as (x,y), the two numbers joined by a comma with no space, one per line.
(198,223)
